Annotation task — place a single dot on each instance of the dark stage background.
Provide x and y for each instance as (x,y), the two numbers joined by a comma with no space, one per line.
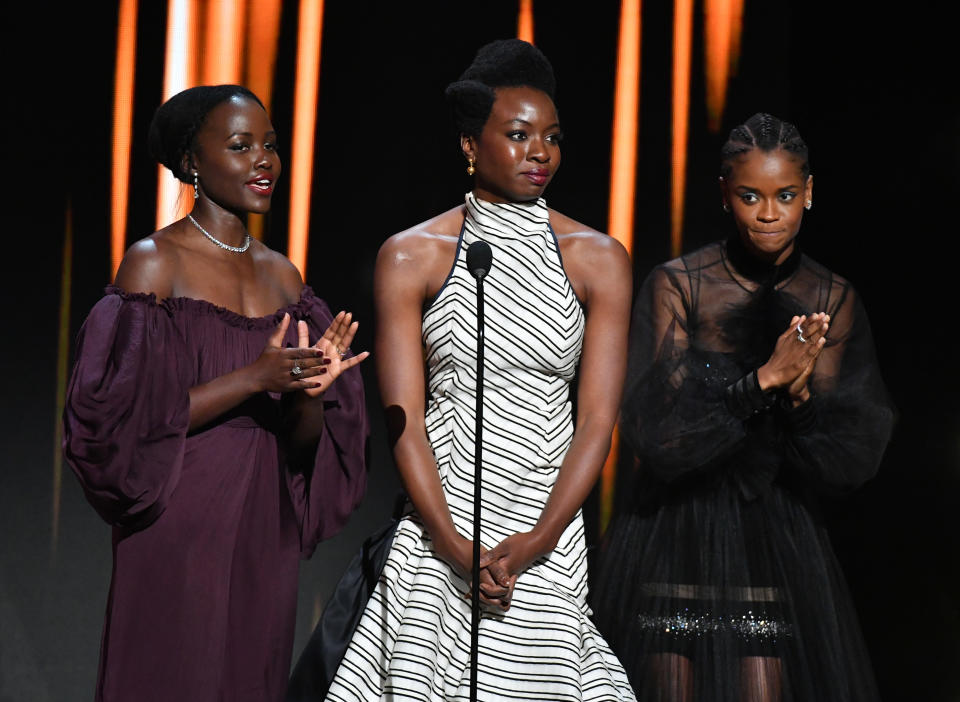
(873,91)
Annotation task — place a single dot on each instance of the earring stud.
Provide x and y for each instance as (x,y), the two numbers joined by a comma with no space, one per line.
(726,207)
(809,204)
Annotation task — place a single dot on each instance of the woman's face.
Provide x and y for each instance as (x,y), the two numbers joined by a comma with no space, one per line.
(766,193)
(235,156)
(518,150)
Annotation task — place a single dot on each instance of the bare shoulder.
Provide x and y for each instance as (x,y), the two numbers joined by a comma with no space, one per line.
(581,244)
(149,265)
(424,245)
(280,268)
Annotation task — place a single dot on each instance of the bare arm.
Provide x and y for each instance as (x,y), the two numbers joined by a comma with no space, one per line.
(399,295)
(606,273)
(404,266)
(602,368)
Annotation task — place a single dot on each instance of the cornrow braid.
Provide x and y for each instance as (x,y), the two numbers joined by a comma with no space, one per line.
(765,132)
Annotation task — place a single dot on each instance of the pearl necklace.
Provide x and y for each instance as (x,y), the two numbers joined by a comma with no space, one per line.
(235,249)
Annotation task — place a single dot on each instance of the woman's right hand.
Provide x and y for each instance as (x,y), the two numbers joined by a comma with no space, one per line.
(792,360)
(458,552)
(273,371)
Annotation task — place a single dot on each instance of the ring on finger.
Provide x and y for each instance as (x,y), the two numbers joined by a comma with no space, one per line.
(296,370)
(800,336)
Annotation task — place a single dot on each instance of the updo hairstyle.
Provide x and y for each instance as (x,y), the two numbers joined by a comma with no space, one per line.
(501,63)
(177,121)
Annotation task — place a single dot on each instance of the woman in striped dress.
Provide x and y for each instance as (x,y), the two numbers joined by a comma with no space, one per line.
(557,301)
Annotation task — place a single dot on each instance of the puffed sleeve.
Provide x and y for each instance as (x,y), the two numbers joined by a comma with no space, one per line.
(838,437)
(127,409)
(324,497)
(678,412)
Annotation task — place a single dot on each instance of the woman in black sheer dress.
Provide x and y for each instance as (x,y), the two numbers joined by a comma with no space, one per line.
(752,392)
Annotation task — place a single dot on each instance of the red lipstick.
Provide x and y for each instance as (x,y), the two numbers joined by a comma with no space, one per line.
(261,184)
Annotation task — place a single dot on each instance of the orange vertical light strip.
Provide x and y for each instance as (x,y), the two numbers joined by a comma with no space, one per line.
(525,21)
(736,31)
(122,129)
(717,35)
(682,44)
(723,20)
(623,157)
(263,30)
(623,172)
(178,74)
(63,356)
(306,85)
(608,479)
(223,31)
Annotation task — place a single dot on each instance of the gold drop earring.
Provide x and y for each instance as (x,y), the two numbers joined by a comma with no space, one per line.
(470,168)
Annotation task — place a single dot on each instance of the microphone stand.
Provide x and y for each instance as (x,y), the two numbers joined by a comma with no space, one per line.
(479,258)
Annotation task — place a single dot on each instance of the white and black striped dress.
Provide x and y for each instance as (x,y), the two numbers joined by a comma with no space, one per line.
(413,641)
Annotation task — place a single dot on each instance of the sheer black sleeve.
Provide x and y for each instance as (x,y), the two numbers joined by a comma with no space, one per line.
(684,406)
(838,437)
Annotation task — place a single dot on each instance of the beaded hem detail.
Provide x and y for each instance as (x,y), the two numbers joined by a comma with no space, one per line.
(687,623)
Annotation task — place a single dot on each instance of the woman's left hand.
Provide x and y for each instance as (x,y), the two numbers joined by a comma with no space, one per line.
(509,558)
(815,332)
(333,344)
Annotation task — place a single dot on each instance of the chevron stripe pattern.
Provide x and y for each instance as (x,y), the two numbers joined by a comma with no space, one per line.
(413,641)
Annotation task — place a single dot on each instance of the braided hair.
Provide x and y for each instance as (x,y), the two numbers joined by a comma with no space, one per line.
(501,63)
(176,122)
(767,133)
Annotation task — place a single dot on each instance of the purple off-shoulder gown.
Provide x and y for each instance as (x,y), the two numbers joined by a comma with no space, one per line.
(209,526)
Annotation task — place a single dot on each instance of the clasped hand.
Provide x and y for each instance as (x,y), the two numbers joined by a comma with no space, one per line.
(500,566)
(319,365)
(795,356)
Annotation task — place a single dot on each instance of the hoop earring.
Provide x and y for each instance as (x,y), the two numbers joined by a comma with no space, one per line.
(726,207)
(196,186)
(470,168)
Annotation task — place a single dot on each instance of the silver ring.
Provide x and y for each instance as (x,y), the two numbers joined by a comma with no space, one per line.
(800,334)
(344,352)
(295,371)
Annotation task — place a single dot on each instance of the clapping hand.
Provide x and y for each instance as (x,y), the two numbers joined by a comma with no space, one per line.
(795,356)
(280,369)
(304,367)
(333,347)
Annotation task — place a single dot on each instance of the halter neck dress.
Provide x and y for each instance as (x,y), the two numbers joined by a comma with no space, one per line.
(413,640)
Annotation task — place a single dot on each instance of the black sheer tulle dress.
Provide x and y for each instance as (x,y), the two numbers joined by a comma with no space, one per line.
(717,580)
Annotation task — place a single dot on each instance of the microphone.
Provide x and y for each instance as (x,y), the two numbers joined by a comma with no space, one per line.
(479,259)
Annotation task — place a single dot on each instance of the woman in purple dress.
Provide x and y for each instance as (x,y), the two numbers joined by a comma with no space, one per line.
(214,421)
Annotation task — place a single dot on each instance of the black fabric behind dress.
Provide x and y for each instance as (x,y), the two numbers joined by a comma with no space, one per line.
(720,553)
